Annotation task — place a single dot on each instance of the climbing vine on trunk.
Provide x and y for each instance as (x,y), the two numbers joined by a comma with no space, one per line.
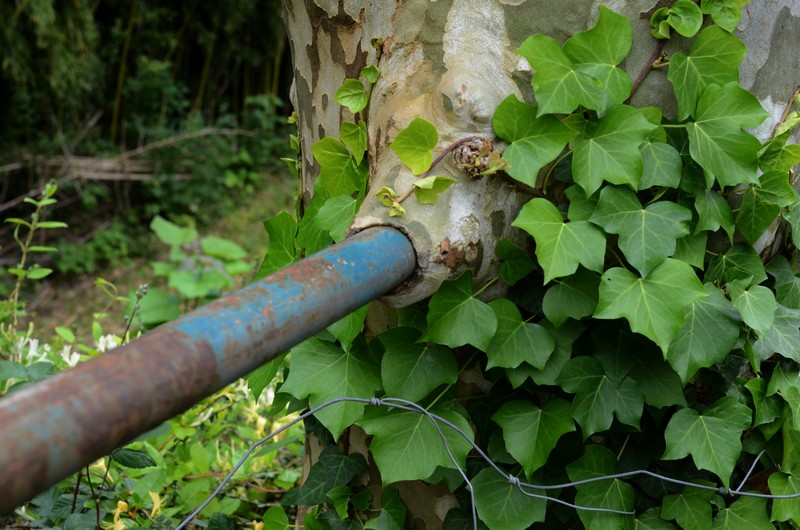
(650,338)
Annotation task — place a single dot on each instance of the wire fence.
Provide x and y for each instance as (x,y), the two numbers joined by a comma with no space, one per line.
(525,488)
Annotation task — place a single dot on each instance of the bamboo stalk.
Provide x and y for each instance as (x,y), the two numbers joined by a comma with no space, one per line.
(122,70)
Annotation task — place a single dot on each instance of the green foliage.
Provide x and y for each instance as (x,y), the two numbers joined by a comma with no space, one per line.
(198,271)
(414,145)
(647,334)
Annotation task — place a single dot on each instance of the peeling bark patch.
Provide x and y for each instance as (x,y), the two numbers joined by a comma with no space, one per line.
(451,255)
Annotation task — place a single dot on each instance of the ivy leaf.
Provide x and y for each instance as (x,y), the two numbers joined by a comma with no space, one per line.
(414,145)
(598,398)
(347,328)
(653,306)
(515,263)
(370,73)
(336,215)
(712,438)
(746,512)
(258,379)
(773,156)
(659,23)
(310,235)
(787,284)
(583,72)
(691,508)
(755,216)
(581,207)
(761,204)
(321,371)
(426,190)
(785,509)
(517,341)
(560,246)
(407,446)
(598,50)
(793,218)
(393,513)
(352,95)
(784,335)
(559,88)
(282,250)
(774,187)
(661,165)
(608,149)
(660,384)
(624,354)
(756,305)
(725,13)
(572,297)
(738,263)
(685,17)
(767,408)
(713,213)
(531,433)
(502,505)
(339,172)
(647,235)
(331,470)
(692,249)
(713,59)
(534,142)
(716,139)
(614,494)
(456,317)
(565,336)
(412,371)
(708,334)
(651,520)
(354,136)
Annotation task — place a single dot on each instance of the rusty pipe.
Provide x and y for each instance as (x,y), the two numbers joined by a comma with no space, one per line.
(52,429)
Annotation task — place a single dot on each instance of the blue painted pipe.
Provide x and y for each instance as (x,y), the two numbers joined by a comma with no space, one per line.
(52,429)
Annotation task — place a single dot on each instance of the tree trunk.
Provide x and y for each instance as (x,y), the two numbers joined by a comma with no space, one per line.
(452,62)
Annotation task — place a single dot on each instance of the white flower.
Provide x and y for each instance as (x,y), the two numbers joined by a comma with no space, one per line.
(70,357)
(34,354)
(107,342)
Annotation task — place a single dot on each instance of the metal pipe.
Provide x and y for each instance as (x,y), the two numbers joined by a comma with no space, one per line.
(52,429)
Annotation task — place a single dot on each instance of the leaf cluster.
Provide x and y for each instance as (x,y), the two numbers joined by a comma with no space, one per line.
(647,331)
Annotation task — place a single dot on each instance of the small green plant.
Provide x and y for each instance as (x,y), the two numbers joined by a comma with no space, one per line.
(198,270)
(164,474)
(11,309)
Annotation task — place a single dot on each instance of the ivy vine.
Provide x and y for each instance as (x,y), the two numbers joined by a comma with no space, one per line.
(647,333)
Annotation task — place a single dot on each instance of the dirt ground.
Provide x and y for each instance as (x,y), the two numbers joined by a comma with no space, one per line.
(74,302)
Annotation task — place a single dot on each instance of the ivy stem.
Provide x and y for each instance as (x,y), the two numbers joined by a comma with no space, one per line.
(624,445)
(674,125)
(405,195)
(786,111)
(446,151)
(648,66)
(488,284)
(552,168)
(449,386)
